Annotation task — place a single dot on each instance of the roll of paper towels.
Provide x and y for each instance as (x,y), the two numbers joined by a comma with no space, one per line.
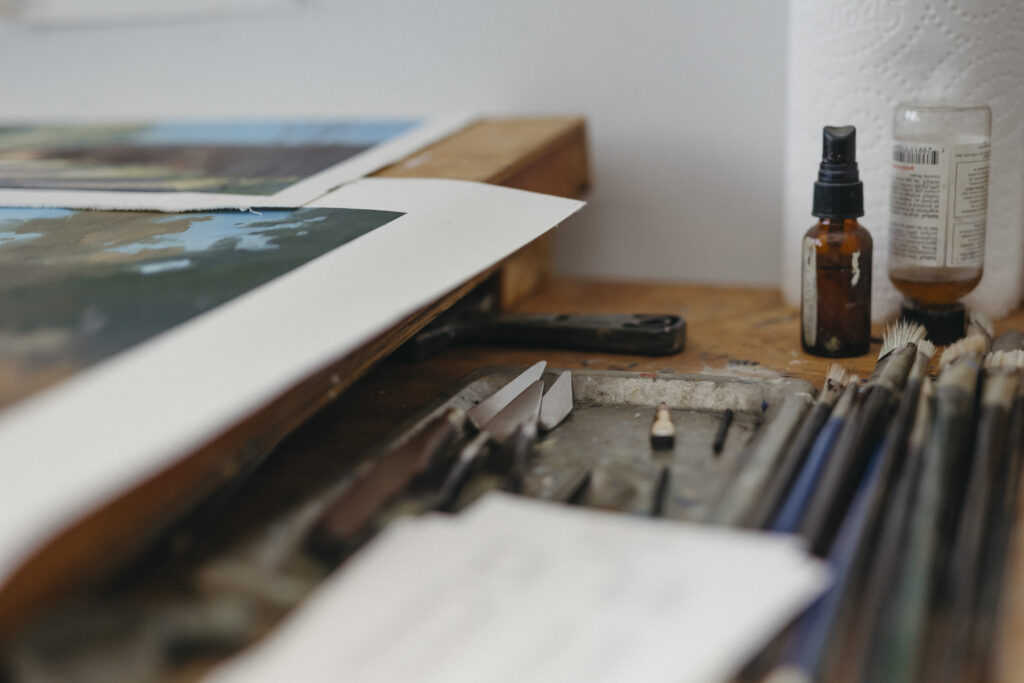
(852,63)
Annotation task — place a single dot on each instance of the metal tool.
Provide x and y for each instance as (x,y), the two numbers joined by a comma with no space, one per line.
(661,486)
(564,483)
(347,521)
(522,411)
(652,334)
(723,431)
(522,442)
(557,402)
(482,412)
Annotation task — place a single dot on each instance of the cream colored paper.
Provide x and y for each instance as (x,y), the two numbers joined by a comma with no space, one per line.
(68,449)
(515,590)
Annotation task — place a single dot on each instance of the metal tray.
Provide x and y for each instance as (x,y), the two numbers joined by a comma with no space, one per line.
(609,431)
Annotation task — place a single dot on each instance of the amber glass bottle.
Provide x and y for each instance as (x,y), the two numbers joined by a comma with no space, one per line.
(836,258)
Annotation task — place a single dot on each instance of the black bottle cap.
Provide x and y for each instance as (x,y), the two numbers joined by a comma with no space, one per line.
(945,325)
(839,193)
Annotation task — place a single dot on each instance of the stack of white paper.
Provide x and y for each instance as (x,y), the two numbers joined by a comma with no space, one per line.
(518,590)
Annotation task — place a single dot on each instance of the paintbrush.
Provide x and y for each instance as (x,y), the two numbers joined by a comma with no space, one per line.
(979,324)
(867,634)
(851,553)
(889,466)
(793,508)
(815,631)
(742,493)
(955,615)
(819,636)
(994,605)
(895,335)
(1000,502)
(771,499)
(1011,340)
(853,450)
(935,508)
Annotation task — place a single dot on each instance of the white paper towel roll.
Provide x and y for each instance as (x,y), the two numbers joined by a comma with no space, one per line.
(852,62)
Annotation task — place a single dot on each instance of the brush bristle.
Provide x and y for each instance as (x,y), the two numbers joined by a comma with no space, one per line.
(926,348)
(954,352)
(1005,359)
(788,674)
(983,323)
(901,332)
(837,374)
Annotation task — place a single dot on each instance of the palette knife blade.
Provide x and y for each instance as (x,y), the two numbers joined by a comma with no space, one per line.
(482,413)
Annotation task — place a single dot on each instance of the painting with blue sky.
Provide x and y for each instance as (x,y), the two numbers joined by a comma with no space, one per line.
(77,287)
(246,157)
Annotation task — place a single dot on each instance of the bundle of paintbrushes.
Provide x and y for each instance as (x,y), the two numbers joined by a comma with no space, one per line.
(908,486)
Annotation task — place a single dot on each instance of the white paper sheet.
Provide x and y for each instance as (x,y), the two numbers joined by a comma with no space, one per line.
(68,449)
(522,591)
(298,194)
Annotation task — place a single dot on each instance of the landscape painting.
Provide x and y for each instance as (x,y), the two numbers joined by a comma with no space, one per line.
(79,286)
(242,158)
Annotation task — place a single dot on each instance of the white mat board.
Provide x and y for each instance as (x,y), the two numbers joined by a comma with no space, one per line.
(69,449)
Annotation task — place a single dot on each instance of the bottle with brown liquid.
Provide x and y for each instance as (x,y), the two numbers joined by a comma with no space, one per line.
(937,212)
(835,304)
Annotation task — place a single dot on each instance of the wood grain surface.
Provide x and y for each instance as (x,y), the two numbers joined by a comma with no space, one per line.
(739,331)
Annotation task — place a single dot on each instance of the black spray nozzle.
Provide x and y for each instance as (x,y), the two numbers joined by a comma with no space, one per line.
(838,192)
(839,145)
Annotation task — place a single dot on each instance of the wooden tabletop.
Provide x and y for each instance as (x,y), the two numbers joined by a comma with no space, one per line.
(740,331)
(732,330)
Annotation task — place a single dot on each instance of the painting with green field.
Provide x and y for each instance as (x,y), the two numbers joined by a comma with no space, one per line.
(241,157)
(77,287)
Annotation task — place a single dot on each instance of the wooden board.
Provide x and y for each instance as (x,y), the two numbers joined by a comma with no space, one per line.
(544,155)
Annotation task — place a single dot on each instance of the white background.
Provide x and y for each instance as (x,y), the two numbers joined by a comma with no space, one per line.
(685,101)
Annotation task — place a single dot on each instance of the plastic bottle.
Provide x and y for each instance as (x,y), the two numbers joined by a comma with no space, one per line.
(938,209)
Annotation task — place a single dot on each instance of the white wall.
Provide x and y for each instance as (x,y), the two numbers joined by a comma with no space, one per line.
(685,101)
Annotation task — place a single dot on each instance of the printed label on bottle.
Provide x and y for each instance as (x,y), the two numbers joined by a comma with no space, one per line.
(938,204)
(809,296)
